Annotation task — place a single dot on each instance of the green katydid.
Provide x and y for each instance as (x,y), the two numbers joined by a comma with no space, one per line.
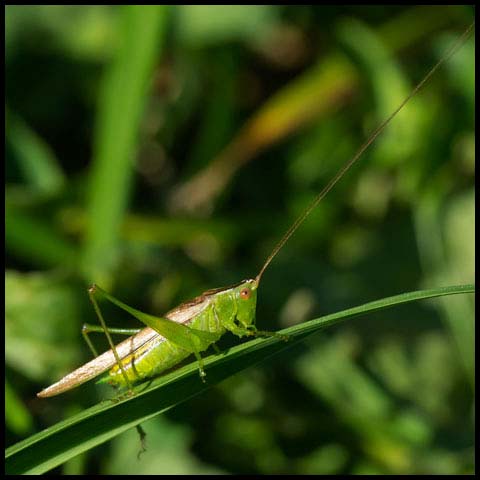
(194,326)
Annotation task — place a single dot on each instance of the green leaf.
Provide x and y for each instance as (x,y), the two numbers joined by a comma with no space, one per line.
(54,446)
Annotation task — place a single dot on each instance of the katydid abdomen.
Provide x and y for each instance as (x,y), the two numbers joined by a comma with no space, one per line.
(159,354)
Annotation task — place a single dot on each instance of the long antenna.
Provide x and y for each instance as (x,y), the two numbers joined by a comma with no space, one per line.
(461,40)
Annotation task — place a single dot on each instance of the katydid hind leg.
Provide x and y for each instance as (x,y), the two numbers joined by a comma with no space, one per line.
(185,337)
(91,292)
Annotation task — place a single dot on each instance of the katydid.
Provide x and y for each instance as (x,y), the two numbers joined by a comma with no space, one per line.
(194,326)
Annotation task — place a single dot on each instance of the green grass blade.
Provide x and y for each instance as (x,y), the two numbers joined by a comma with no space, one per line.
(54,446)
(122,100)
(36,160)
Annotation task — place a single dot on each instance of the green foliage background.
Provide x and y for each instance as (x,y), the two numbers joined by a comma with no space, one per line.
(160,152)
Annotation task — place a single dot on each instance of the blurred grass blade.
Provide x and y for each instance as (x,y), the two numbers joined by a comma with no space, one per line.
(197,27)
(122,99)
(31,239)
(35,159)
(446,254)
(56,445)
(390,86)
(19,419)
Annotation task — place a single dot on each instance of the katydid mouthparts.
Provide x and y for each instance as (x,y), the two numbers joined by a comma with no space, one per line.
(195,325)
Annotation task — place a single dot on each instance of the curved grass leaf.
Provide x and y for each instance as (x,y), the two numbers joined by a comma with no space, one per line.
(54,446)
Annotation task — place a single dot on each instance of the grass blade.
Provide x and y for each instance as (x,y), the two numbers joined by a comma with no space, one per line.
(54,446)
(121,102)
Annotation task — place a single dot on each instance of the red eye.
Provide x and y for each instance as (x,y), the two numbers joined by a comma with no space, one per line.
(245,293)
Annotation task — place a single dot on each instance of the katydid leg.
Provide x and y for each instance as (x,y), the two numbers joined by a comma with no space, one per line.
(264,333)
(240,330)
(91,293)
(200,366)
(143,443)
(88,328)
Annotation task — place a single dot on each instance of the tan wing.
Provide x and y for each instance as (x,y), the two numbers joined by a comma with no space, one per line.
(181,314)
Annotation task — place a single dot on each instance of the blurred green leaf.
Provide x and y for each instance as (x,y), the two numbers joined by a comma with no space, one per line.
(41,324)
(450,254)
(390,86)
(29,238)
(168,451)
(17,416)
(200,25)
(329,459)
(86,31)
(36,160)
(460,68)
